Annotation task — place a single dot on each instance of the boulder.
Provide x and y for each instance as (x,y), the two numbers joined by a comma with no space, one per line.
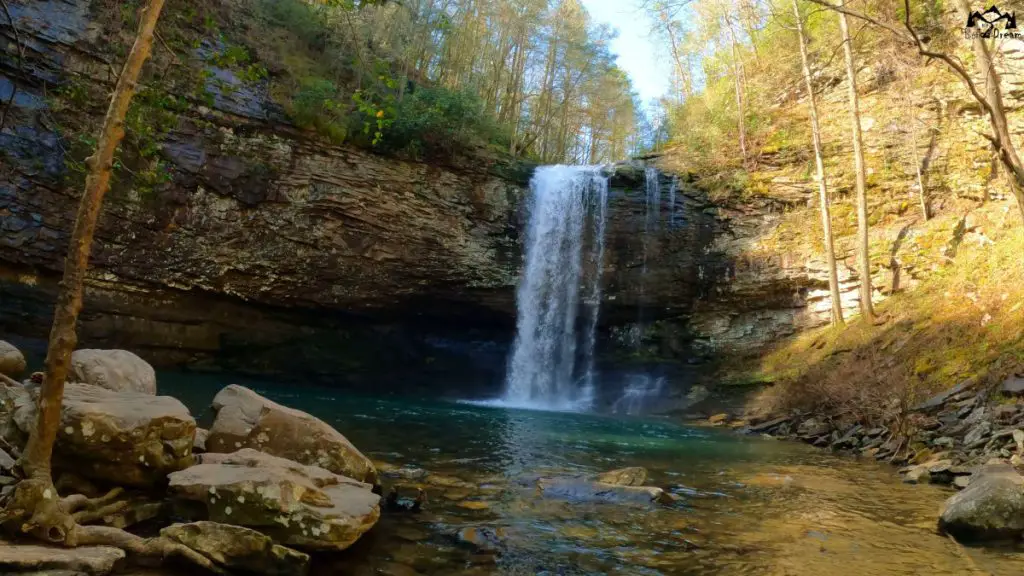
(89,560)
(939,399)
(199,442)
(582,490)
(482,538)
(237,548)
(812,428)
(117,370)
(990,507)
(297,505)
(244,419)
(126,438)
(632,476)
(918,474)
(12,362)
(7,461)
(718,419)
(1013,386)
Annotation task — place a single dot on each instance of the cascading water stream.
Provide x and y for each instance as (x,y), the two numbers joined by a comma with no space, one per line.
(672,201)
(652,220)
(552,363)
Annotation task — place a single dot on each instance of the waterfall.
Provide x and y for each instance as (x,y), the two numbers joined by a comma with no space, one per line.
(552,362)
(652,220)
(672,201)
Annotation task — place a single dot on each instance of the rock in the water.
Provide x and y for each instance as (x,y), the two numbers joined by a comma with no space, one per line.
(117,370)
(582,490)
(917,475)
(718,419)
(238,548)
(961,482)
(12,362)
(812,428)
(482,538)
(247,420)
(90,560)
(296,505)
(127,438)
(990,507)
(632,476)
(7,462)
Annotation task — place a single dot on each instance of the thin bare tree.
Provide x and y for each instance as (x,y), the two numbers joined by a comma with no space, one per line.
(863,255)
(826,217)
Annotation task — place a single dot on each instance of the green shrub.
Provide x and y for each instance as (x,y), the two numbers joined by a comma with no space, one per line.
(315,105)
(303,20)
(432,121)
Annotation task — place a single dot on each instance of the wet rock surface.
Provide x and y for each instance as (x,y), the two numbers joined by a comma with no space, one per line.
(239,549)
(632,476)
(244,419)
(583,490)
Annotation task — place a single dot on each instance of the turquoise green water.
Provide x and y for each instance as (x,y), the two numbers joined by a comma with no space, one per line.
(747,505)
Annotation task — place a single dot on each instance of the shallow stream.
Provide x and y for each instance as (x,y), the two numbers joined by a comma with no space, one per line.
(747,505)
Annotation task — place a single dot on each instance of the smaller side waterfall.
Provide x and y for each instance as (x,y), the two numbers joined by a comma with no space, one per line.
(652,221)
(639,392)
(672,201)
(552,362)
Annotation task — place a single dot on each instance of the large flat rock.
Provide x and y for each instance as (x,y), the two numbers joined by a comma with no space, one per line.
(125,438)
(295,504)
(247,420)
(29,558)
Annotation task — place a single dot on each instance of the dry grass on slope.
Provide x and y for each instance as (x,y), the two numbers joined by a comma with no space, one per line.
(965,320)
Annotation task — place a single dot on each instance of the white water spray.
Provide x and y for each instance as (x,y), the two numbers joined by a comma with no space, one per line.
(672,201)
(552,363)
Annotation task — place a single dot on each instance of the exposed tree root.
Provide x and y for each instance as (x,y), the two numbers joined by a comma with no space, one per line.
(36,510)
(159,548)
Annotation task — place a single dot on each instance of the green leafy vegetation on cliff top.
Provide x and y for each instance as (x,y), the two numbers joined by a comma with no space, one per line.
(429,78)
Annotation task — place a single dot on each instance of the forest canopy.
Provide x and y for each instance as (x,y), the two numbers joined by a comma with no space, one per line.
(534,78)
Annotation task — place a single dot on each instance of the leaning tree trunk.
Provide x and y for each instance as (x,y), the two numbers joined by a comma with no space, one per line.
(826,217)
(37,489)
(863,255)
(35,508)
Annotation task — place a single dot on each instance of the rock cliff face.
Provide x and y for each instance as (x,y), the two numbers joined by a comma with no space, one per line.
(259,248)
(262,249)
